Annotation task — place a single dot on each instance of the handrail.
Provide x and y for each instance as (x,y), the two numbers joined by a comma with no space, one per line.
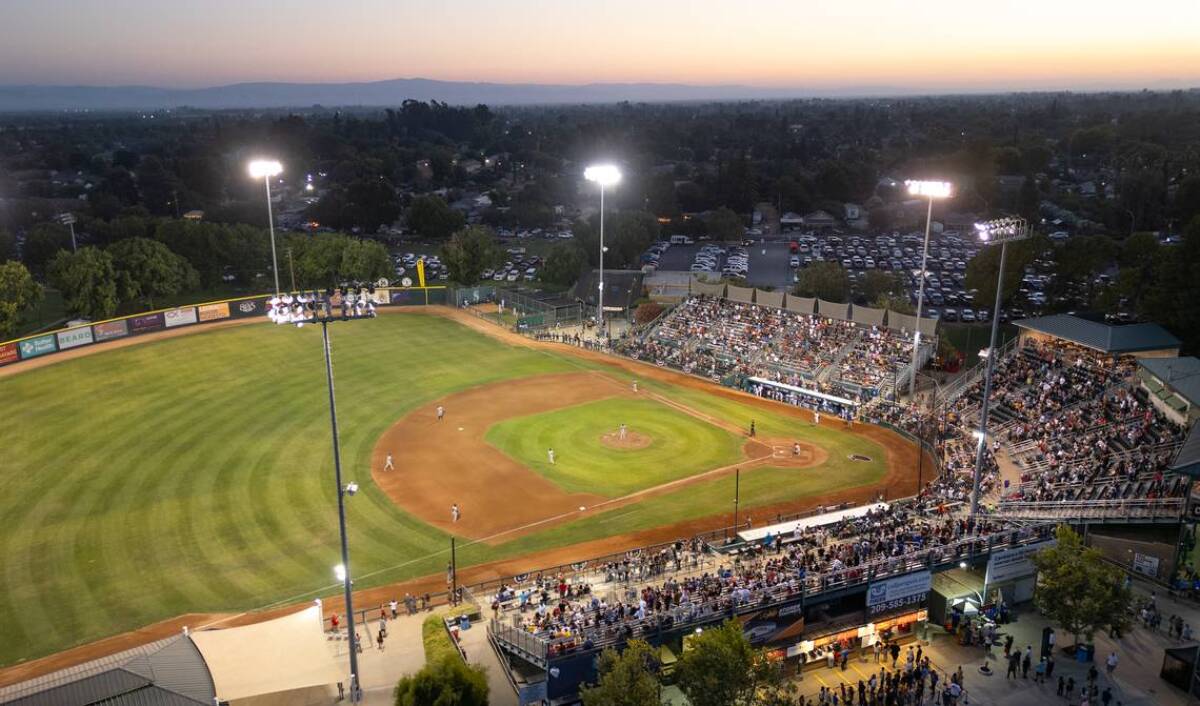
(1170,508)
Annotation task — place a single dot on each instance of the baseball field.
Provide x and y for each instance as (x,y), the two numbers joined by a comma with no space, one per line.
(194,474)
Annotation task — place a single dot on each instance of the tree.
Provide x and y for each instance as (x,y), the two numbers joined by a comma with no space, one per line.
(722,669)
(627,234)
(18,292)
(469,252)
(42,242)
(447,682)
(626,678)
(1079,590)
(147,270)
(365,260)
(563,264)
(8,246)
(880,285)
(824,280)
(432,218)
(724,224)
(983,269)
(1029,202)
(87,280)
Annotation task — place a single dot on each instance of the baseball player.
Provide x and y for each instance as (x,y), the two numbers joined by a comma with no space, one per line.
(441,412)
(796,448)
(621,434)
(454,513)
(388,465)
(550,454)
(817,419)
(635,387)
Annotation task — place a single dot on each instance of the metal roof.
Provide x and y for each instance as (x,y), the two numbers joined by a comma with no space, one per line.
(1132,338)
(1188,459)
(1181,375)
(168,672)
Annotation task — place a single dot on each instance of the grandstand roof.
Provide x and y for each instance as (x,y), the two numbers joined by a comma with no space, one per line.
(1188,459)
(1132,338)
(168,672)
(1182,375)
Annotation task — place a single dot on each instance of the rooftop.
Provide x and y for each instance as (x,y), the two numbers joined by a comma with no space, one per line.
(1180,375)
(1106,338)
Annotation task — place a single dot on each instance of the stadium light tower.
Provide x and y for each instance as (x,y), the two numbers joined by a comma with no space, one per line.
(265,169)
(605,175)
(1003,231)
(930,190)
(341,304)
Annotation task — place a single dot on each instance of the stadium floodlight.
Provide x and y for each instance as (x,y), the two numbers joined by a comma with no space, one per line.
(1003,231)
(605,175)
(342,303)
(265,169)
(930,190)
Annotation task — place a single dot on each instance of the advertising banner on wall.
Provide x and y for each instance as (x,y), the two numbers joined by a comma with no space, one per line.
(1145,564)
(74,338)
(774,624)
(149,322)
(407,297)
(110,329)
(248,307)
(1015,563)
(212,312)
(33,347)
(180,317)
(9,354)
(899,588)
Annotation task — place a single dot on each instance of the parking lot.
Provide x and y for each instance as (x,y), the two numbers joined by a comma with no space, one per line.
(775,264)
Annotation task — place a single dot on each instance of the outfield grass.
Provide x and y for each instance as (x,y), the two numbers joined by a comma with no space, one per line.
(194,474)
(681,445)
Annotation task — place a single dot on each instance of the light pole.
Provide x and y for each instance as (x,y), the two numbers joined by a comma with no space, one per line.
(68,220)
(930,190)
(1003,231)
(266,169)
(343,304)
(605,175)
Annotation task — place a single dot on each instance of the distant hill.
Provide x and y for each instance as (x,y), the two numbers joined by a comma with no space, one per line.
(377,93)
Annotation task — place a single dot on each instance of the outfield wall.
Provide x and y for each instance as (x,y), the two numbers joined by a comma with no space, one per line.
(90,334)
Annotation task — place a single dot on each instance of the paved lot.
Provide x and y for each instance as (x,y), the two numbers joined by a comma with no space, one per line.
(768,263)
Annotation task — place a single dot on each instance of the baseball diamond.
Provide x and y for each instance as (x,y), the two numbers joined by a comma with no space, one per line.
(225,502)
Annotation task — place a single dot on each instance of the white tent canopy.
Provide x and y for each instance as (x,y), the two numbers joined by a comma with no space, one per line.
(278,655)
(828,518)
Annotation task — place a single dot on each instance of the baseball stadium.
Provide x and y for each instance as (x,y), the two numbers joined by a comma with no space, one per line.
(186,471)
(205,506)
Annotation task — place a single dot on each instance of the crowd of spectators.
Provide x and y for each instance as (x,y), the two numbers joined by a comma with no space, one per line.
(683,589)
(716,338)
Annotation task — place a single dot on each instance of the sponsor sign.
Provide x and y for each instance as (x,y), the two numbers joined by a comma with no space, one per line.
(33,347)
(248,307)
(1145,565)
(1015,563)
(147,322)
(407,296)
(212,312)
(899,588)
(381,297)
(180,317)
(9,354)
(75,337)
(110,329)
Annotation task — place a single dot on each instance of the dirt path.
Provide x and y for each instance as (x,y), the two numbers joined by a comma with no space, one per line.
(899,481)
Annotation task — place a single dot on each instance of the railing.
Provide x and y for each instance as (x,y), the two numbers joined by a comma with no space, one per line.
(952,391)
(522,642)
(1140,509)
(815,586)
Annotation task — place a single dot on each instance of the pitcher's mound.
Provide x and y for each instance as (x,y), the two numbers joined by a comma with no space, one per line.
(632,440)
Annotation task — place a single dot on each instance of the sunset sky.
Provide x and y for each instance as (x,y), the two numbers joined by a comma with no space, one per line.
(930,45)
